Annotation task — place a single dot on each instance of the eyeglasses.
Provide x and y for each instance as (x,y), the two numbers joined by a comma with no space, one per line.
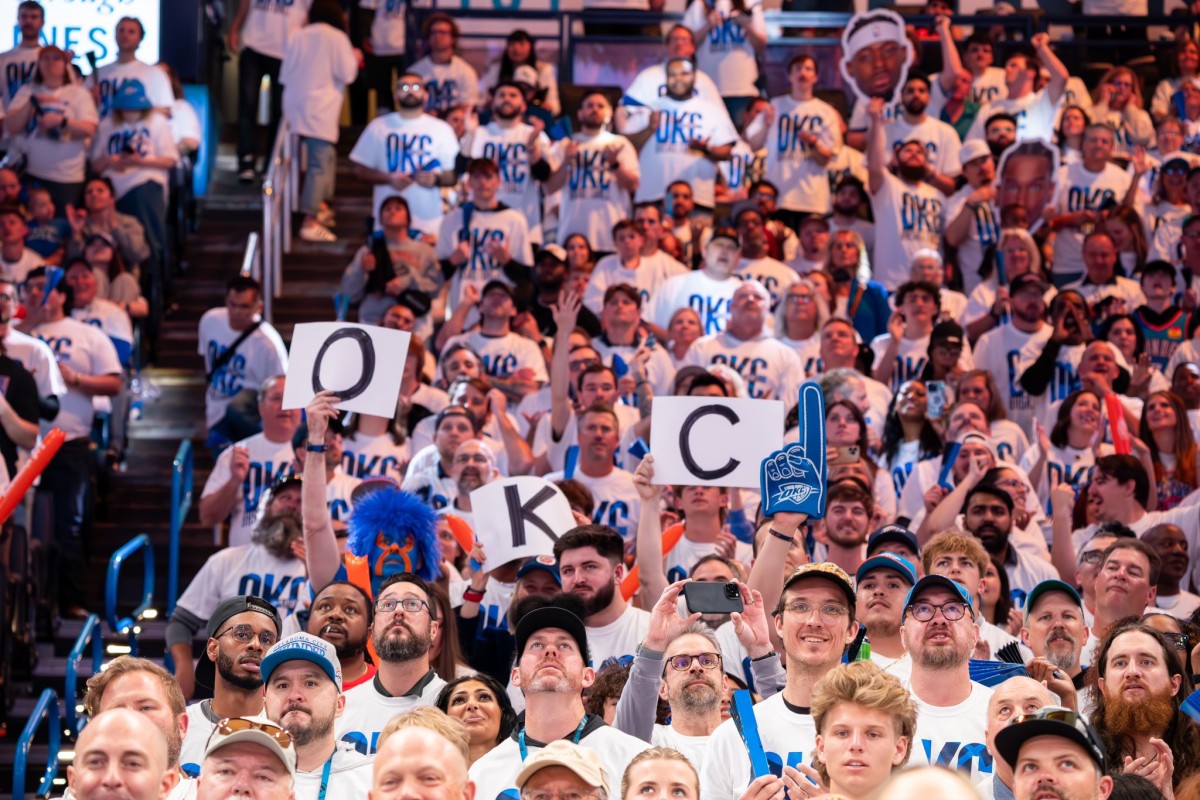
(1092,557)
(410,87)
(1180,640)
(467,458)
(923,612)
(5,297)
(245,634)
(583,363)
(227,727)
(830,612)
(410,605)
(800,298)
(1072,718)
(683,662)
(570,795)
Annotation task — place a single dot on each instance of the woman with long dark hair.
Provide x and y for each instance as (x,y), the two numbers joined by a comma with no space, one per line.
(483,707)
(908,435)
(519,52)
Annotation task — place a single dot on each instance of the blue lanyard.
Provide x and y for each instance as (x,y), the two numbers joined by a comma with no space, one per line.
(525,751)
(325,776)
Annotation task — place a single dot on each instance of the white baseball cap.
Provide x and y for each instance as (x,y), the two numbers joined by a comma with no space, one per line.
(256,730)
(303,647)
(583,762)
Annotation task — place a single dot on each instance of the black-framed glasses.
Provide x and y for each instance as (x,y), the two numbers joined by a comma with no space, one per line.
(683,662)
(1092,557)
(244,634)
(229,726)
(410,605)
(952,611)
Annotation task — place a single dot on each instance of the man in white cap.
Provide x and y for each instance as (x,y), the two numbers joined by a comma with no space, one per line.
(248,757)
(562,768)
(970,220)
(303,680)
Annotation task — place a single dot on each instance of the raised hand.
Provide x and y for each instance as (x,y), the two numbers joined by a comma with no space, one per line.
(665,622)
(750,625)
(239,463)
(319,412)
(643,481)
(566,313)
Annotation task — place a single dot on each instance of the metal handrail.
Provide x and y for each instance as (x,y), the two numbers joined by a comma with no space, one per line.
(279,198)
(181,503)
(46,710)
(128,625)
(251,261)
(91,632)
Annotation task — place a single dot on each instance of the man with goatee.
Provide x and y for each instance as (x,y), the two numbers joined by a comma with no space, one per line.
(266,567)
(1141,686)
(342,614)
(403,631)
(1055,631)
(473,465)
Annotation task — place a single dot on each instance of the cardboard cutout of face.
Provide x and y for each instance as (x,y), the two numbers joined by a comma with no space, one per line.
(875,55)
(1025,178)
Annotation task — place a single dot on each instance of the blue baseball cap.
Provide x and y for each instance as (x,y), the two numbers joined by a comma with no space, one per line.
(930,581)
(544,563)
(131,96)
(892,533)
(303,647)
(887,561)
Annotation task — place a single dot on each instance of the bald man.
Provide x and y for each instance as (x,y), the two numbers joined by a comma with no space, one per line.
(1011,699)
(938,782)
(121,753)
(419,760)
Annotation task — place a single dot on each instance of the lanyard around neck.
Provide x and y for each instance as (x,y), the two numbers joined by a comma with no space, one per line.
(525,750)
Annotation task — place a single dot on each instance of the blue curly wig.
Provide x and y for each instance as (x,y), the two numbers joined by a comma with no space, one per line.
(404,522)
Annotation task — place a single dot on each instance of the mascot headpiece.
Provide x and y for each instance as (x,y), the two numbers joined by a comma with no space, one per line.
(390,531)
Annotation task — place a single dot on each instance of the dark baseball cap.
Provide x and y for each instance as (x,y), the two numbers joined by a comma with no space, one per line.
(947,331)
(1050,721)
(552,617)
(1047,587)
(892,533)
(494,284)
(543,563)
(890,561)
(724,233)
(227,609)
(1027,279)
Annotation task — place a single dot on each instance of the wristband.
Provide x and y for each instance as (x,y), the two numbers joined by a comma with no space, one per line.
(645,652)
(472,596)
(781,536)
(764,657)
(315,448)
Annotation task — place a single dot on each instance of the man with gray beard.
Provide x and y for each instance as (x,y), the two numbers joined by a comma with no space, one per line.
(403,631)
(1054,630)
(265,568)
(303,679)
(939,632)
(474,465)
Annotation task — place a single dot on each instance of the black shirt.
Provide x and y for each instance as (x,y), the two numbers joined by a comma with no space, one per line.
(20,390)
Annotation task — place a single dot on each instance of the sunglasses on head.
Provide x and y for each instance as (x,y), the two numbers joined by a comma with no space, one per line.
(227,727)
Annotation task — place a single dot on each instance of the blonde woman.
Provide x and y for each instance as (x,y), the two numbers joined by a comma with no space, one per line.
(1118,104)
(660,773)
(798,320)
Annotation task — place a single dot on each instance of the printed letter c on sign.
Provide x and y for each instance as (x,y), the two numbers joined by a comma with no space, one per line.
(685,449)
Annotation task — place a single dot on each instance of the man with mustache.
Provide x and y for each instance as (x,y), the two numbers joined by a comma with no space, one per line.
(266,566)
(1172,546)
(1125,587)
(473,466)
(240,632)
(403,632)
(1055,756)
(342,614)
(1054,628)
(551,672)
(1016,696)
(303,680)
(882,583)
(1141,686)
(940,633)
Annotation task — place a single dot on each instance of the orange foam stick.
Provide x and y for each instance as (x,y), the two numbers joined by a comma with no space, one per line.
(462,532)
(39,459)
(670,538)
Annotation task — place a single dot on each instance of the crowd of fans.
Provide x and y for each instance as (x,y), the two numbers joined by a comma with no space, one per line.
(993,282)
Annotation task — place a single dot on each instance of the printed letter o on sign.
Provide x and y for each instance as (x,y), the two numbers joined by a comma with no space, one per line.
(365,346)
(685,450)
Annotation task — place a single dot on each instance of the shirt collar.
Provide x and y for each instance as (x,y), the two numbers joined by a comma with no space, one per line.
(415,691)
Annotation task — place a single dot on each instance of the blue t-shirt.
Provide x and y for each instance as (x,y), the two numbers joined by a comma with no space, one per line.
(46,237)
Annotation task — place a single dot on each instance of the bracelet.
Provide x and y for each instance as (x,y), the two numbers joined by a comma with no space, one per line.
(645,652)
(315,448)
(781,536)
(472,596)
(764,657)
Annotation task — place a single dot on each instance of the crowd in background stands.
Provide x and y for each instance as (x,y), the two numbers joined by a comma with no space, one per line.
(993,281)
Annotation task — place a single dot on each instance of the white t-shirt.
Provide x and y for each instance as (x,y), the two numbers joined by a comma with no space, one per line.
(199,729)
(368,710)
(149,137)
(809,351)
(270,462)
(319,64)
(448,85)
(617,504)
(788,736)
(112,320)
(261,356)
(999,352)
(246,569)
(504,355)
(185,122)
(56,155)
(591,201)
(775,275)
(651,84)
(619,637)
(1034,113)
(87,351)
(651,272)
(941,141)
(984,232)
(743,167)
(803,183)
(667,157)
(684,555)
(350,775)
(269,26)
(508,148)
(399,146)
(953,736)
(1180,605)
(988,87)
(908,218)
(112,76)
(366,456)
(726,52)
(38,358)
(17,67)
(387,26)
(17,270)
(502,224)
(707,296)
(694,747)
(1120,287)
(1081,190)
(771,369)
(911,357)
(627,417)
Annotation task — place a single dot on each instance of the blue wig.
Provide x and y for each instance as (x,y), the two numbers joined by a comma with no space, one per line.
(401,524)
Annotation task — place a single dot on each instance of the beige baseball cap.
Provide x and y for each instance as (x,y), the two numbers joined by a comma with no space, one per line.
(580,760)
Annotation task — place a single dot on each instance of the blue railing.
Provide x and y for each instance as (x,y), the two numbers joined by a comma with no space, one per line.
(46,711)
(91,632)
(181,503)
(128,625)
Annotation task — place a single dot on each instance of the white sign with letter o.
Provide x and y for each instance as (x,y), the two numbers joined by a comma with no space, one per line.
(363,364)
(713,441)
